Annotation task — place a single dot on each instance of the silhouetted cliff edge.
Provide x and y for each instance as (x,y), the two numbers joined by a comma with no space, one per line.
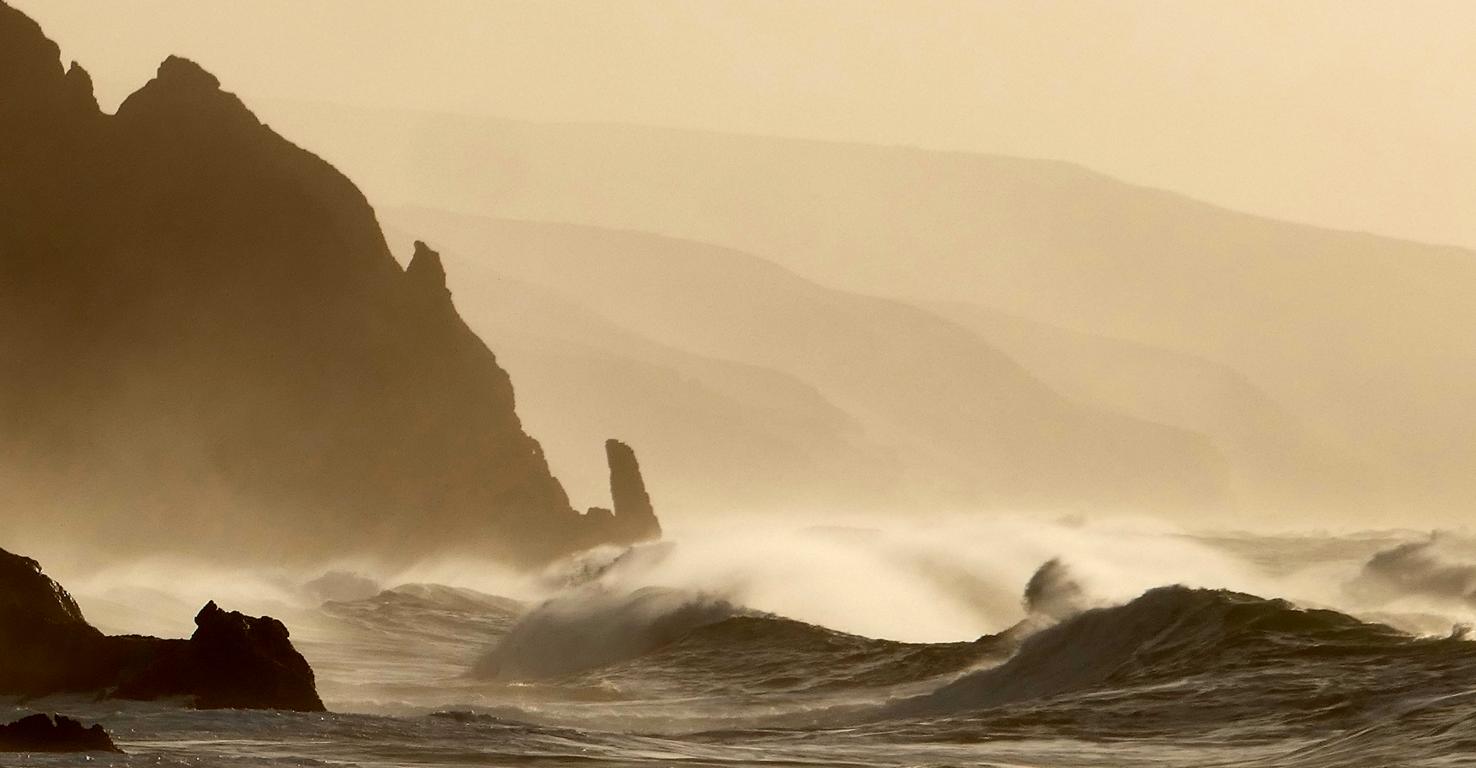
(207,342)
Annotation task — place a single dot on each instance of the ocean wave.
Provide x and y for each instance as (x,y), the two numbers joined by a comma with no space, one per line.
(1206,648)
(428,609)
(752,655)
(410,644)
(1053,592)
(710,643)
(1441,567)
(592,628)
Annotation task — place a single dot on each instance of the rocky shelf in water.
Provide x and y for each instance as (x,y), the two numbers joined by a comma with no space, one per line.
(45,733)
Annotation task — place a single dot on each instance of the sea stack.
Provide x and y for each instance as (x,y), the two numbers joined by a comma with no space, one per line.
(635,518)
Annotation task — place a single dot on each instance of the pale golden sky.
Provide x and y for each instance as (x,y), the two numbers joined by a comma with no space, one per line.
(1352,114)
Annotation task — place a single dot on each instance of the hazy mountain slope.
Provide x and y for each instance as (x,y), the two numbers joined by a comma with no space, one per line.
(969,425)
(208,346)
(715,436)
(1276,463)
(1364,339)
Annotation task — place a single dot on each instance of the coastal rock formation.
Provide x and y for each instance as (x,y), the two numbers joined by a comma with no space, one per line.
(45,643)
(634,517)
(232,660)
(427,274)
(42,733)
(29,596)
(201,324)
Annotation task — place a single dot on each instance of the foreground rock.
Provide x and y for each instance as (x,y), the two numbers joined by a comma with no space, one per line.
(40,733)
(232,660)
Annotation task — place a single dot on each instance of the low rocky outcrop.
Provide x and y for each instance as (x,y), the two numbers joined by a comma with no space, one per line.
(232,660)
(43,733)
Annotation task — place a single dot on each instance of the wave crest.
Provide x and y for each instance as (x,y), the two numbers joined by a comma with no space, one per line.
(593,628)
(1167,633)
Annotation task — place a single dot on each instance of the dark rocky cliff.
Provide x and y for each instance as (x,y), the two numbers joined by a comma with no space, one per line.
(207,342)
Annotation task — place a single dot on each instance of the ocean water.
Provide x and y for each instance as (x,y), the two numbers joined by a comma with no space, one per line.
(638,658)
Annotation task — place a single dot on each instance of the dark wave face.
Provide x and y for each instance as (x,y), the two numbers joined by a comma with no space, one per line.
(1207,656)
(1221,671)
(1052,592)
(683,643)
(754,656)
(592,628)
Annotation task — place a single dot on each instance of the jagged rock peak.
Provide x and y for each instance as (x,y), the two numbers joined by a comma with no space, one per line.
(244,662)
(79,85)
(213,618)
(179,72)
(634,515)
(182,93)
(426,270)
(30,65)
(25,51)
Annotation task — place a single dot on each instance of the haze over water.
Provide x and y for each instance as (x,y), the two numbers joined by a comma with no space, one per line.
(1041,384)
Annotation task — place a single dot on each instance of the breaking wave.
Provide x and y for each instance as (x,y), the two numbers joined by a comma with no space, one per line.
(1210,654)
